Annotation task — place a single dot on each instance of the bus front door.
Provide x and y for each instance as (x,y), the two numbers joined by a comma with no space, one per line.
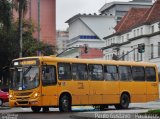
(49,86)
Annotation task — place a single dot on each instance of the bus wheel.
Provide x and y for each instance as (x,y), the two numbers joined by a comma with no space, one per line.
(124,102)
(36,109)
(65,104)
(1,102)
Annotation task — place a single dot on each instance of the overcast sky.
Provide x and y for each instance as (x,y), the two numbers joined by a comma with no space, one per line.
(68,8)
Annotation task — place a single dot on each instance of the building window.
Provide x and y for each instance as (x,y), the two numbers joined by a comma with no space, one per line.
(134,55)
(127,57)
(127,36)
(158,49)
(122,39)
(141,56)
(111,41)
(114,40)
(137,32)
(134,33)
(87,37)
(153,29)
(151,51)
(137,56)
(141,31)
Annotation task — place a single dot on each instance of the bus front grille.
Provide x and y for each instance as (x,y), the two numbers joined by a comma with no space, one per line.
(23,94)
(23,102)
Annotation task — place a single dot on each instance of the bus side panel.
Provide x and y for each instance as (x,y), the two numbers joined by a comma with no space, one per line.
(137,90)
(111,92)
(96,92)
(152,91)
(78,90)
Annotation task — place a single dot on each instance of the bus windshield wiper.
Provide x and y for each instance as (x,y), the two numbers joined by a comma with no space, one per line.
(27,70)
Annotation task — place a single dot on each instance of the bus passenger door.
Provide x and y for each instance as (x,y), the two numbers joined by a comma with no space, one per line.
(96,84)
(49,87)
(111,88)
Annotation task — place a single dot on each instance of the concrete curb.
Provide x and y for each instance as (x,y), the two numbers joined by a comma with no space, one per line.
(4,108)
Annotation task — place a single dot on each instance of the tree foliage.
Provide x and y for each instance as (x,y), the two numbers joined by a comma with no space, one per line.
(5,14)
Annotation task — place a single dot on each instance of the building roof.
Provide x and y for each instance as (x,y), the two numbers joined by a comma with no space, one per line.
(153,14)
(139,16)
(134,2)
(132,18)
(96,23)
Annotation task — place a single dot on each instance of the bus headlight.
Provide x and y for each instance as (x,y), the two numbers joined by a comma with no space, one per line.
(11,96)
(35,95)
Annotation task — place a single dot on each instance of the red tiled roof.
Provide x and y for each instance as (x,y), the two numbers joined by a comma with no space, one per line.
(138,16)
(153,14)
(132,18)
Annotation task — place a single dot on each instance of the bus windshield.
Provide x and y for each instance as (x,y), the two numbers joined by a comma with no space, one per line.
(24,78)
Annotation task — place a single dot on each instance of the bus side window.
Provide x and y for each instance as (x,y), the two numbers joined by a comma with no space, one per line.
(125,73)
(79,72)
(64,71)
(150,74)
(48,75)
(110,72)
(96,72)
(138,73)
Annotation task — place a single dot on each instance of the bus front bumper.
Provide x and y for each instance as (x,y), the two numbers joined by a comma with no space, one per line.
(24,103)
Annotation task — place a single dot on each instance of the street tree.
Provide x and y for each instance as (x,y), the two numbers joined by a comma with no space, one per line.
(5,14)
(21,7)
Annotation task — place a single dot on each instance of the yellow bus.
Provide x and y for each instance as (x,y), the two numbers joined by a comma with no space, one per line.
(48,81)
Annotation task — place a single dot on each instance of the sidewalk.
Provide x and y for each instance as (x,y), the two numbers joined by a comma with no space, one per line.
(5,106)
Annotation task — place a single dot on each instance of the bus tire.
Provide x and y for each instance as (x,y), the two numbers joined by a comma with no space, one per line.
(36,109)
(124,102)
(65,103)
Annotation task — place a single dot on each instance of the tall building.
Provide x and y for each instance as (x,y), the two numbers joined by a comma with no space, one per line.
(43,14)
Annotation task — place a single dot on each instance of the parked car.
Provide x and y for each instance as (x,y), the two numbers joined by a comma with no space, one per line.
(4,97)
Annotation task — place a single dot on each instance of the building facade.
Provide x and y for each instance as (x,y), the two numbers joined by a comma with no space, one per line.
(139,26)
(43,15)
(88,29)
(119,9)
(62,39)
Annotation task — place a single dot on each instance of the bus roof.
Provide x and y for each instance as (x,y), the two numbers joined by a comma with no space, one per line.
(91,61)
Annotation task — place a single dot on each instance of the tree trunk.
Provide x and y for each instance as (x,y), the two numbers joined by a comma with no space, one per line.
(21,27)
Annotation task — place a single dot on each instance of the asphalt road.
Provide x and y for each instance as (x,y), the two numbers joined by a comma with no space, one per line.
(77,113)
